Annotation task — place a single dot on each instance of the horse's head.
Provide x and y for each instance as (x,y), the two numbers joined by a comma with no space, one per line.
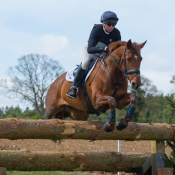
(130,60)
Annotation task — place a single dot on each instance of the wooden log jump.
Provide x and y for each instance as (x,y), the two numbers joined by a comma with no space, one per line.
(89,130)
(71,161)
(85,161)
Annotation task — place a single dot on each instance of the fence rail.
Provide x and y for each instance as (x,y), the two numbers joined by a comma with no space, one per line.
(71,161)
(143,164)
(88,130)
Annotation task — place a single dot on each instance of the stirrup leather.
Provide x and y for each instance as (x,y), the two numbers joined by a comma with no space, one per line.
(70,90)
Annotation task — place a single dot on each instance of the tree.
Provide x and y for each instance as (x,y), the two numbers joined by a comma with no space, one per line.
(173,79)
(2,113)
(30,80)
(144,92)
(170,161)
(13,112)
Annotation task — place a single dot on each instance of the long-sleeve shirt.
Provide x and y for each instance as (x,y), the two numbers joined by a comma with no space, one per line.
(98,35)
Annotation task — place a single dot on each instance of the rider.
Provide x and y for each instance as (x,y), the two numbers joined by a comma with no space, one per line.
(101,36)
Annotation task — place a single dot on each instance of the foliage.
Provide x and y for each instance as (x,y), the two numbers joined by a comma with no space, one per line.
(46,173)
(16,112)
(30,80)
(170,161)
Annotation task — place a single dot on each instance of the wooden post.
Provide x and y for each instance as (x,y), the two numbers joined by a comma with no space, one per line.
(157,147)
(156,161)
(3,171)
(157,157)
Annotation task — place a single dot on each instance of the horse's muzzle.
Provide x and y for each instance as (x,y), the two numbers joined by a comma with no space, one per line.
(134,85)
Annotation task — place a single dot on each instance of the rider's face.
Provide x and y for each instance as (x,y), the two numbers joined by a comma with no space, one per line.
(109,27)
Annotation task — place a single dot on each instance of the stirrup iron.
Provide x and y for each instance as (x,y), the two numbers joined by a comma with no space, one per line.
(70,90)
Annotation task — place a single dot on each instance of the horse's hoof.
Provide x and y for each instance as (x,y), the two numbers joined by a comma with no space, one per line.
(120,125)
(107,128)
(48,117)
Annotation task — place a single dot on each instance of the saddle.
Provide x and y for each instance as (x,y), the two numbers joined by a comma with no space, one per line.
(92,62)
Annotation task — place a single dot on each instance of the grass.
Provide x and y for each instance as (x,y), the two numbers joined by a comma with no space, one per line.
(46,173)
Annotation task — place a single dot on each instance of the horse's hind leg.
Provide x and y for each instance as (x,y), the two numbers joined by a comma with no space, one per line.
(48,117)
(57,115)
(76,114)
(65,113)
(71,112)
(62,114)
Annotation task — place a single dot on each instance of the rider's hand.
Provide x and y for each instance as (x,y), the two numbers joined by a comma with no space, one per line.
(106,49)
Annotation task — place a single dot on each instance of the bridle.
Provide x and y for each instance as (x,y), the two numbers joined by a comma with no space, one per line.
(125,72)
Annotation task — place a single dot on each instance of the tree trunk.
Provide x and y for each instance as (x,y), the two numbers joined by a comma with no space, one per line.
(74,161)
(89,130)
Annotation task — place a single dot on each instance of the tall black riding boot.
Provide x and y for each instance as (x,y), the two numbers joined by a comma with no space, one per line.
(73,91)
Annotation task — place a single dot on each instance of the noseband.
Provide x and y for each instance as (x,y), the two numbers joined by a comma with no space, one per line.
(137,72)
(125,73)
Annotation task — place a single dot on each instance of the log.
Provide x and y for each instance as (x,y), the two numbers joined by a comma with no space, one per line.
(165,171)
(89,130)
(3,171)
(72,161)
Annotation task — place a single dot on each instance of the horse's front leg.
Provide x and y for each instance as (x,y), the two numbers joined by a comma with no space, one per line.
(128,99)
(104,100)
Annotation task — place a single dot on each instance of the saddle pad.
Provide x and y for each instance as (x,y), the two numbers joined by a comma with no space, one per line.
(70,76)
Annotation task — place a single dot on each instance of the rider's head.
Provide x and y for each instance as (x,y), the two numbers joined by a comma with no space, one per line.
(109,20)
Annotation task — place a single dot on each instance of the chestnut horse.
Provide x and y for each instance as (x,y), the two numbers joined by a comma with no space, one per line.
(108,90)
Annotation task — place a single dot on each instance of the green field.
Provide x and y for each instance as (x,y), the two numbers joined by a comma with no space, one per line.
(47,173)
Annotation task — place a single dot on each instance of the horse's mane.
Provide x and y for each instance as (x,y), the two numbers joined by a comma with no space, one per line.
(115,45)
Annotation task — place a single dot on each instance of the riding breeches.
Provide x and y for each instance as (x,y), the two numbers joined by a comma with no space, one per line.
(86,57)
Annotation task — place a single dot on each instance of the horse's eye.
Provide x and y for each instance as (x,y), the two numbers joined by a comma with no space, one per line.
(128,59)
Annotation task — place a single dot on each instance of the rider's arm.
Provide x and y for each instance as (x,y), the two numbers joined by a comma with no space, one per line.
(93,40)
(91,47)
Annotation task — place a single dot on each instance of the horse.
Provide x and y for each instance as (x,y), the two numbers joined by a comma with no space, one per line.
(106,87)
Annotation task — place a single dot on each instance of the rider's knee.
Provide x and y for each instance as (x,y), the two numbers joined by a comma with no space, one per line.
(84,65)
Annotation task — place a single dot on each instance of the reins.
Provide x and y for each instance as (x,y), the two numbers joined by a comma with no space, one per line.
(125,72)
(97,70)
(113,80)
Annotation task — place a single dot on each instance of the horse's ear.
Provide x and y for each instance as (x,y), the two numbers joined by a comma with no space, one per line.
(129,44)
(142,45)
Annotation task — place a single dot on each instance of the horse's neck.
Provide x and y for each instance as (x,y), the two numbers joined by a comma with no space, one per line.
(112,67)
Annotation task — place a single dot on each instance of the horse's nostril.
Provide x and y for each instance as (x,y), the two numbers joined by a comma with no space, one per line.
(134,85)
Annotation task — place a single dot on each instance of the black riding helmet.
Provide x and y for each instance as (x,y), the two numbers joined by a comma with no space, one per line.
(109,17)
